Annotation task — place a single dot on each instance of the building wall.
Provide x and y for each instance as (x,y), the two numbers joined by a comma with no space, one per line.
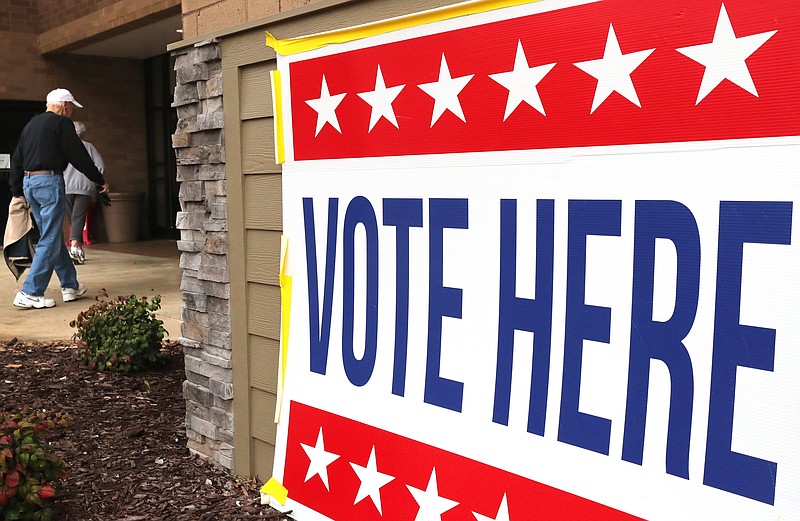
(96,20)
(205,283)
(20,17)
(112,93)
(207,16)
(55,13)
(252,233)
(111,90)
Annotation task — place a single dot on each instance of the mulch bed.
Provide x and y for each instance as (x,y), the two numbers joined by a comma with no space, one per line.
(125,447)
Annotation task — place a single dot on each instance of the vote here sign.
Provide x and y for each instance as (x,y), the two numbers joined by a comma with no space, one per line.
(544,264)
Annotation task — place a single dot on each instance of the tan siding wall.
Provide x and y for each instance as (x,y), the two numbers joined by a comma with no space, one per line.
(256,90)
(258,150)
(263,455)
(264,256)
(264,310)
(264,354)
(263,202)
(263,419)
(254,204)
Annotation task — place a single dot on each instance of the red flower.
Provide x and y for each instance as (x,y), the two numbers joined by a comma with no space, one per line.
(47,491)
(12,479)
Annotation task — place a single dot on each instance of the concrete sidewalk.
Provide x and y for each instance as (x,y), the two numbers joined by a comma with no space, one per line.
(142,268)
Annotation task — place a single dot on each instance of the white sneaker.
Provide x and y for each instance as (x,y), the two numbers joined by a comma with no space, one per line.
(70,294)
(27,301)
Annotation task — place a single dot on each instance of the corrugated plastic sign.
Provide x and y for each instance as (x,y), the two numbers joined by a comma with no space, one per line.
(541,263)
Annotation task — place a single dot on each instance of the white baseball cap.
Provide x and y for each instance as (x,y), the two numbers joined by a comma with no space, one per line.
(55,96)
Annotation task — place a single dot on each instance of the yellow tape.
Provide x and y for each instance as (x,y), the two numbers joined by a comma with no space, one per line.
(275,489)
(315,41)
(286,309)
(277,111)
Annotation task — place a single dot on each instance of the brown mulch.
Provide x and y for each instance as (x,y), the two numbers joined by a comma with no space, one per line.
(125,447)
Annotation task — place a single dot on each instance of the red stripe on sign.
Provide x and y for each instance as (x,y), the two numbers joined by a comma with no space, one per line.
(348,470)
(608,73)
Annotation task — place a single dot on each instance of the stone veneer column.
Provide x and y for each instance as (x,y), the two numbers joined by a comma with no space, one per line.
(199,145)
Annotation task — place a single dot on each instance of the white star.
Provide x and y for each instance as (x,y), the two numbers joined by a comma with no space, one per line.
(521,82)
(724,58)
(381,100)
(502,513)
(431,505)
(326,106)
(613,71)
(319,460)
(445,92)
(371,481)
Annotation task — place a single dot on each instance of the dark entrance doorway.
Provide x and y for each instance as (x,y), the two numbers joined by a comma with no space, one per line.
(14,115)
(161,165)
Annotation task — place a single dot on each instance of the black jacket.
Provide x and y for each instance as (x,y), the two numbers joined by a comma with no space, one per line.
(49,142)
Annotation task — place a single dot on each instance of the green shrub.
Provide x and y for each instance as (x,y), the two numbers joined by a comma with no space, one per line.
(29,471)
(121,334)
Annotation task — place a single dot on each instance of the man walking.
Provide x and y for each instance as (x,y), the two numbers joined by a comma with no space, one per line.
(47,145)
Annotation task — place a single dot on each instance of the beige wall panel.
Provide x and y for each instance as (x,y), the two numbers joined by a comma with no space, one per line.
(264,355)
(263,456)
(258,146)
(262,415)
(263,256)
(238,51)
(243,458)
(256,91)
(262,202)
(264,310)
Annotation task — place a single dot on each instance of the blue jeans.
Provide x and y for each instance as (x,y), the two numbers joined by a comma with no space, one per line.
(45,195)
